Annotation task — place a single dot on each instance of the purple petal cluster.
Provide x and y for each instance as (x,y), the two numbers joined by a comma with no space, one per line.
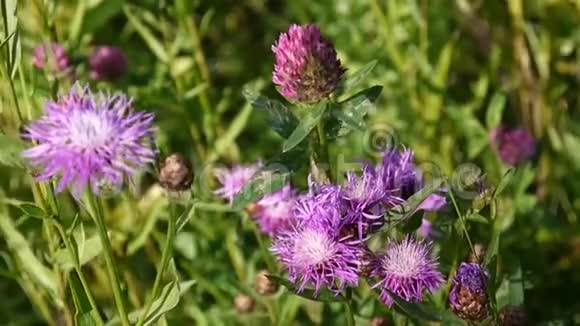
(307,68)
(90,140)
(406,270)
(233,180)
(52,55)
(326,247)
(107,63)
(513,146)
(313,252)
(274,213)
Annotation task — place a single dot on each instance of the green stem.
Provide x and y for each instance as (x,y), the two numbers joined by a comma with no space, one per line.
(270,264)
(462,221)
(77,266)
(348,308)
(94,210)
(165,257)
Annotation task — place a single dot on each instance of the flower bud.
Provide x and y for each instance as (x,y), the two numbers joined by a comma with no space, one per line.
(175,173)
(513,316)
(380,321)
(307,68)
(263,285)
(513,146)
(244,304)
(468,296)
(107,63)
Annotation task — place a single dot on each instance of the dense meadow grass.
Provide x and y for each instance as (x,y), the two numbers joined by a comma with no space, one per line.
(185,163)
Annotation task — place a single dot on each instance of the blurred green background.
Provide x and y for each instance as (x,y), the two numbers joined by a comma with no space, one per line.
(451,71)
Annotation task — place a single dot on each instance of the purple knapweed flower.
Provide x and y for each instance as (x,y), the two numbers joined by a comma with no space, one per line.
(90,140)
(406,269)
(399,176)
(362,198)
(233,180)
(52,55)
(313,251)
(274,213)
(468,295)
(307,68)
(107,63)
(513,146)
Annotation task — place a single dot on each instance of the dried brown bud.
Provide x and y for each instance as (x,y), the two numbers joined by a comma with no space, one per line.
(176,174)
(379,321)
(244,304)
(513,316)
(263,285)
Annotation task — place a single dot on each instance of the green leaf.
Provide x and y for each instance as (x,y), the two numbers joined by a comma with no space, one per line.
(154,45)
(477,218)
(408,208)
(100,14)
(352,80)
(493,247)
(167,300)
(11,151)
(226,140)
(85,315)
(30,209)
(516,287)
(262,182)
(505,180)
(306,125)
(352,111)
(495,111)
(414,310)
(278,117)
(324,295)
(88,249)
(17,243)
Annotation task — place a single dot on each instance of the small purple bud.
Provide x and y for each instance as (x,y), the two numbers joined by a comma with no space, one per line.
(107,63)
(307,68)
(468,296)
(513,146)
(51,54)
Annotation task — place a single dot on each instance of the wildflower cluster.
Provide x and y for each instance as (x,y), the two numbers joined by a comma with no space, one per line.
(320,236)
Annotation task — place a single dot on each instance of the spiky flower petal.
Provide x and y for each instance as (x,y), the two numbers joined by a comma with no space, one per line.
(468,296)
(313,251)
(274,213)
(85,139)
(307,68)
(233,180)
(406,269)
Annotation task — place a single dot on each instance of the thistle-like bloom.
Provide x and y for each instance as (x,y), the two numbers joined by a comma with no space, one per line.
(398,175)
(513,146)
(233,180)
(307,68)
(313,251)
(274,213)
(406,269)
(52,55)
(468,296)
(87,140)
(107,63)
(362,197)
